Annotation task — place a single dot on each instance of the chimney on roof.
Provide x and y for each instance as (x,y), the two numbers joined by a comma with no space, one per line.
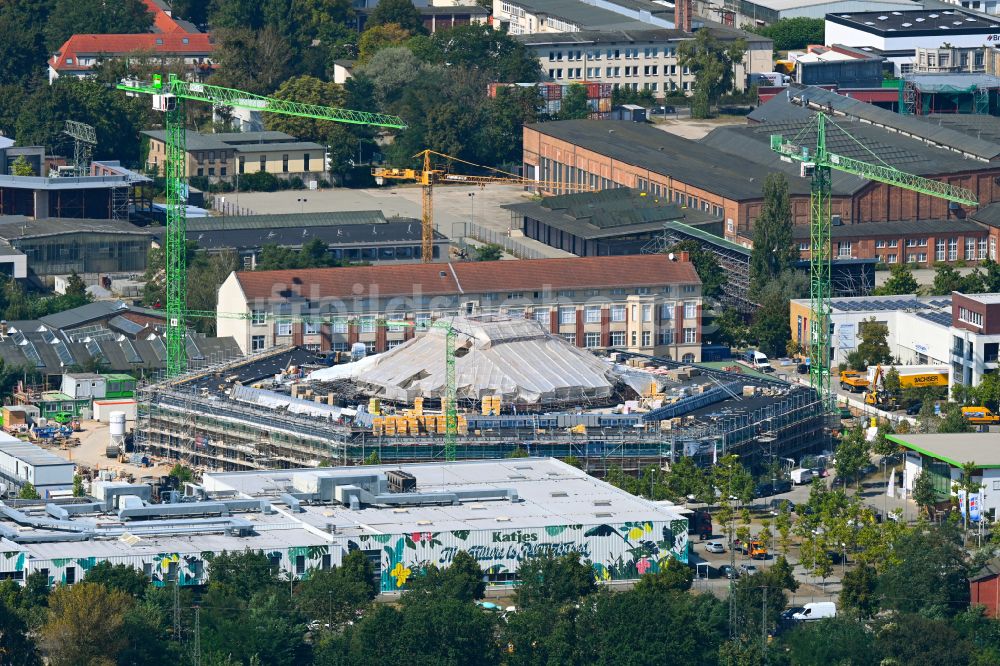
(682,15)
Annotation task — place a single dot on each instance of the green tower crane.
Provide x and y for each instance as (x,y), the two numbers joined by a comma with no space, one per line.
(817,163)
(170,97)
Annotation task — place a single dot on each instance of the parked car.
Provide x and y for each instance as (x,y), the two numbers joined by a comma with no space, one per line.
(663,110)
(788,613)
(869,469)
(914,409)
(715,547)
(769,488)
(727,571)
(802,369)
(776,505)
(748,570)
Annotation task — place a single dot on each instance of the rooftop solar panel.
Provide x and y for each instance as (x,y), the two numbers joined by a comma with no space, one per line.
(94,349)
(129,350)
(159,348)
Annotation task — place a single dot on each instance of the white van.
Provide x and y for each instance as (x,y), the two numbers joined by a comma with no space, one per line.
(801,475)
(819,610)
(757,360)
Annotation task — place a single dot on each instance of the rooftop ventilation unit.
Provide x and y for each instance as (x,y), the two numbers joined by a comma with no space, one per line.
(400,481)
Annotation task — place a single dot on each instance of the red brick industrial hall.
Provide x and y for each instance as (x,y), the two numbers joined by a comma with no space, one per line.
(723,173)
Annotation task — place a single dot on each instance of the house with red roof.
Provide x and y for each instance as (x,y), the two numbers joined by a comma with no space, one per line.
(172,40)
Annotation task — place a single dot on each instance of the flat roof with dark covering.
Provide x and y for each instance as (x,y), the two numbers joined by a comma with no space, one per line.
(860,141)
(902,228)
(473,277)
(917,22)
(15,227)
(645,147)
(989,215)
(616,212)
(287,220)
(955,448)
(403,231)
(932,132)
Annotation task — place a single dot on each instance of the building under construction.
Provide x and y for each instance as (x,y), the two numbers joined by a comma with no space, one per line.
(271,411)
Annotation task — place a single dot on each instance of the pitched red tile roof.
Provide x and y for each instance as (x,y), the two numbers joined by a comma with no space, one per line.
(176,43)
(647,270)
(162,22)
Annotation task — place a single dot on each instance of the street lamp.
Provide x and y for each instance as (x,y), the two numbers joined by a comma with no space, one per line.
(472,198)
(302,203)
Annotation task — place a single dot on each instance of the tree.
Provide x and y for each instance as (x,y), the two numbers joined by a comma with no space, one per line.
(952,420)
(182,473)
(399,12)
(506,115)
(927,573)
(574,103)
(852,455)
(712,65)
(28,492)
(251,60)
(784,523)
(674,576)
(76,289)
(685,479)
(924,494)
(917,640)
(85,624)
(241,574)
(987,391)
(791,33)
(78,490)
(769,325)
(901,281)
(840,640)
(337,594)
(731,328)
(547,580)
(17,647)
(121,577)
(21,167)
(707,266)
(69,17)
(774,251)
(882,445)
(873,348)
(482,48)
(195,11)
(263,628)
(23,50)
(307,90)
(946,280)
(379,38)
(858,593)
(489,252)
(461,580)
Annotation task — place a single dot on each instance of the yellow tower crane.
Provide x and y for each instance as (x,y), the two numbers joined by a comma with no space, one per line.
(429,176)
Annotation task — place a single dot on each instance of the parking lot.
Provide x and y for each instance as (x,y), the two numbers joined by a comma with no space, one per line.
(872,491)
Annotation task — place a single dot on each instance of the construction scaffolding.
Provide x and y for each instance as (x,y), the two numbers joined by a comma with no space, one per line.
(178,420)
(733,259)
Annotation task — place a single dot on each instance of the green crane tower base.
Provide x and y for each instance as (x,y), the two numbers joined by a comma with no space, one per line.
(819,271)
(175,170)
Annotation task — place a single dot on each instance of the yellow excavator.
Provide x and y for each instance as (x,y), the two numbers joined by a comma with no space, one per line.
(877,395)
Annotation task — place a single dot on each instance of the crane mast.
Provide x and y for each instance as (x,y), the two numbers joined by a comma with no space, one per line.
(818,163)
